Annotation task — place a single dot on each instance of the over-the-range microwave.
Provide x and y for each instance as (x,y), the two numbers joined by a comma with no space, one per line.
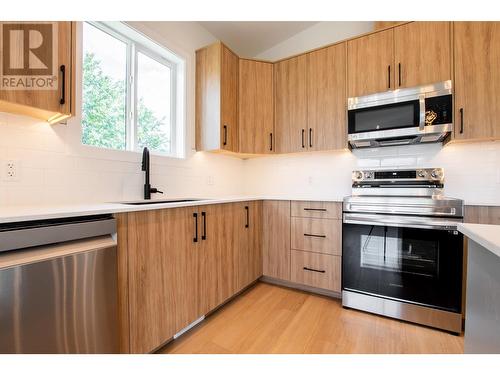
(405,116)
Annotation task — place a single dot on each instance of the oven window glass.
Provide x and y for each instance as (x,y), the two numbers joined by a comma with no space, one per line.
(421,266)
(390,116)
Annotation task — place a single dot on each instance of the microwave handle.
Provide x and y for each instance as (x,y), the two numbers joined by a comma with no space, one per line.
(421,122)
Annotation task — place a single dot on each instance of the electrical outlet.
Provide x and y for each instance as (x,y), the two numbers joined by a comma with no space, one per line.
(210,180)
(10,170)
(310,180)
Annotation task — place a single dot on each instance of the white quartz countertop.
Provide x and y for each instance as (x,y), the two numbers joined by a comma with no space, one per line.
(488,236)
(26,213)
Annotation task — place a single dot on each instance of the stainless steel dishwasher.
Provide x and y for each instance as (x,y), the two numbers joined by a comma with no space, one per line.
(58,287)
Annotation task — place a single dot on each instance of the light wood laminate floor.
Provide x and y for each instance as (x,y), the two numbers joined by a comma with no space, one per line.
(273,319)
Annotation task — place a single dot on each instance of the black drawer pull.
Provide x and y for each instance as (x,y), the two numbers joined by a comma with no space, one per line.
(62,69)
(314,235)
(315,209)
(461,120)
(399,73)
(195,215)
(313,270)
(204,217)
(271,144)
(224,142)
(247,224)
(389,76)
(303,145)
(310,137)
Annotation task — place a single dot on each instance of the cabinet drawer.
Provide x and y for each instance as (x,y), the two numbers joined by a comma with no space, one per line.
(317,235)
(319,210)
(316,270)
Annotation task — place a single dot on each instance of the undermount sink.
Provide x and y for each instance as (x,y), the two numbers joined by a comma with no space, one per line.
(163,201)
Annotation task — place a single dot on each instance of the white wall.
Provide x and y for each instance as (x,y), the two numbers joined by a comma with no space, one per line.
(472,170)
(318,35)
(54,168)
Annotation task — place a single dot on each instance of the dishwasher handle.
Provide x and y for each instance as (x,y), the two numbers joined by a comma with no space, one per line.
(38,233)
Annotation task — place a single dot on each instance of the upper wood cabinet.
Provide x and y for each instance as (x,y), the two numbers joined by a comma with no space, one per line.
(326,98)
(477,80)
(422,53)
(412,54)
(370,64)
(256,107)
(291,104)
(54,102)
(216,99)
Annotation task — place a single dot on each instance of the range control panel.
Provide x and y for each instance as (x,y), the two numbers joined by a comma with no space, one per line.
(420,175)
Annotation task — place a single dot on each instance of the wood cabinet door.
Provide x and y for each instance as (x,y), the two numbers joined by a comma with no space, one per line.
(276,239)
(44,100)
(256,107)
(291,104)
(208,98)
(477,80)
(326,98)
(370,64)
(218,265)
(250,244)
(422,52)
(162,280)
(229,100)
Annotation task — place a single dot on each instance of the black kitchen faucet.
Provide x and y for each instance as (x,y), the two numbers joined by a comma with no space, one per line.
(145,167)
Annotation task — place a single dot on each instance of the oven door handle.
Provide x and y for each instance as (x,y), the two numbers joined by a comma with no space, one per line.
(401,221)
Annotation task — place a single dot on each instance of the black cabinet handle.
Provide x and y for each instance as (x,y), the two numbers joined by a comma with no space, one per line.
(247,224)
(62,69)
(195,215)
(310,137)
(224,142)
(461,120)
(315,209)
(388,76)
(204,218)
(313,270)
(399,73)
(303,145)
(314,235)
(271,143)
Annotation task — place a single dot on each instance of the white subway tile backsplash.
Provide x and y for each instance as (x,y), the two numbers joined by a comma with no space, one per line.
(472,170)
(53,170)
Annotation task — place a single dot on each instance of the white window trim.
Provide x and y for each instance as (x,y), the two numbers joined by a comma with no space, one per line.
(138,42)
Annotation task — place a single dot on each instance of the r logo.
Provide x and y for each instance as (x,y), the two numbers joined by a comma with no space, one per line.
(29,55)
(27,49)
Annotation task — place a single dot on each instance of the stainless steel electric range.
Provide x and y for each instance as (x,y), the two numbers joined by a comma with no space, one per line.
(402,255)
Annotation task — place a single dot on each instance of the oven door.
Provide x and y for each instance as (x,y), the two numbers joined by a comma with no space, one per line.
(413,263)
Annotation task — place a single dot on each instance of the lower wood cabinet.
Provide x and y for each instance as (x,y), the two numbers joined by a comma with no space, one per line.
(178,264)
(276,239)
(250,245)
(316,270)
(317,235)
(302,242)
(162,275)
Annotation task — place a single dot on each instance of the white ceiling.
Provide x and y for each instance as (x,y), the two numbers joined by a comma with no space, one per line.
(249,38)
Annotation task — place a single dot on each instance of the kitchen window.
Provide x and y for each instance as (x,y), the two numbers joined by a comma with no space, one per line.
(131,91)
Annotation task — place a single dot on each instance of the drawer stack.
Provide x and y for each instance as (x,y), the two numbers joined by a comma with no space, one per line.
(316,244)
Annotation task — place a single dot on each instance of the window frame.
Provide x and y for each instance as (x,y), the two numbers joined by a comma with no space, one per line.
(133,47)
